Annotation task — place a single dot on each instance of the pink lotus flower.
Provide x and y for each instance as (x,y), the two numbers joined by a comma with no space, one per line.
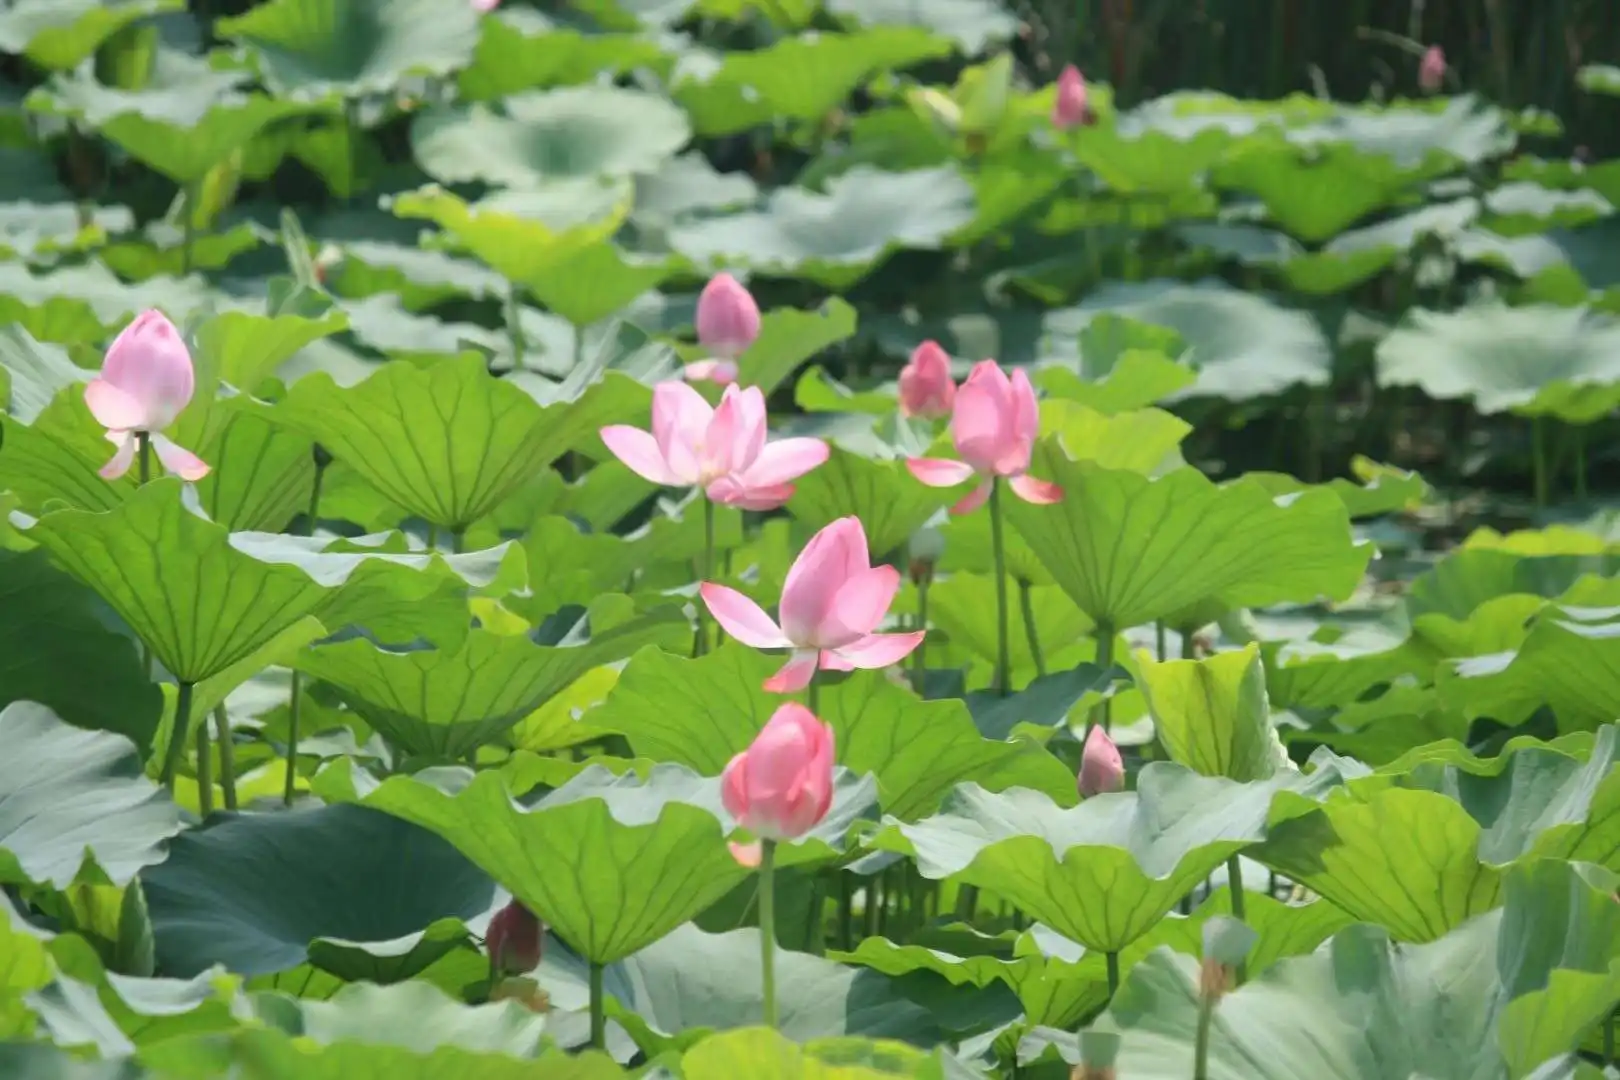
(832,601)
(926,386)
(1432,71)
(1101,768)
(727,317)
(1069,108)
(515,939)
(719,372)
(993,425)
(782,785)
(721,450)
(145,383)
(484,7)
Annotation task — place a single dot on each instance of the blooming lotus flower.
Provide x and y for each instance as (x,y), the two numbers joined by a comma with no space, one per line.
(782,785)
(993,425)
(1101,769)
(832,601)
(721,450)
(926,386)
(727,317)
(145,383)
(515,939)
(1069,108)
(719,372)
(1432,71)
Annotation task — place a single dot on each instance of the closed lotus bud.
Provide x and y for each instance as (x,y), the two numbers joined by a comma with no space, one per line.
(926,387)
(515,939)
(727,317)
(1101,768)
(1070,109)
(1432,71)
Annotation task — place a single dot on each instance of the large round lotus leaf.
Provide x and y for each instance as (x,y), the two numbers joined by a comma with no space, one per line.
(1150,161)
(1316,194)
(1212,715)
(1526,209)
(1536,361)
(1129,549)
(883,494)
(574,133)
(702,712)
(62,34)
(1495,997)
(973,24)
(836,238)
(798,78)
(67,796)
(442,704)
(639,849)
(1427,140)
(689,984)
(263,473)
(1569,661)
(788,337)
(1242,345)
(361,1013)
(254,891)
(520,49)
(176,580)
(350,48)
(51,633)
(1101,873)
(447,442)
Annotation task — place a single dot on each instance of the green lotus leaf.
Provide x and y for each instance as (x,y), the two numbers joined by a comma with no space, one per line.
(597,282)
(1212,715)
(1569,660)
(189,117)
(314,49)
(883,494)
(690,984)
(578,132)
(701,712)
(1535,361)
(1470,577)
(52,463)
(253,892)
(838,237)
(447,442)
(799,78)
(521,50)
(36,372)
(1142,440)
(52,635)
(62,34)
(1129,549)
(1245,347)
(423,279)
(174,577)
(524,235)
(958,605)
(818,392)
(68,796)
(412,1052)
(1134,379)
(1527,209)
(1492,998)
(766,1054)
(788,337)
(1101,873)
(1384,489)
(262,474)
(686,185)
(445,704)
(599,843)
(247,348)
(1142,160)
(1314,194)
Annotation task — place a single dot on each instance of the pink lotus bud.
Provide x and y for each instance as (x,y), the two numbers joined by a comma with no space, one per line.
(926,386)
(1070,109)
(484,7)
(1101,768)
(1433,69)
(727,317)
(719,372)
(515,939)
(781,786)
(145,383)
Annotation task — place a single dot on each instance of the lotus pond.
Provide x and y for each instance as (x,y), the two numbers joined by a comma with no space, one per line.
(724,539)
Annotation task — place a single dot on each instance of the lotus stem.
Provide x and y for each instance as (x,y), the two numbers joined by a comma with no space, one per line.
(295,697)
(1608,1040)
(812,696)
(458,541)
(514,325)
(1003,680)
(815,936)
(177,735)
(846,911)
(205,772)
(188,226)
(143,455)
(1206,1013)
(1112,957)
(967,902)
(1160,645)
(1102,713)
(598,1009)
(227,754)
(1580,463)
(767,929)
(1538,459)
(433,537)
(1234,881)
(701,646)
(1026,604)
(919,656)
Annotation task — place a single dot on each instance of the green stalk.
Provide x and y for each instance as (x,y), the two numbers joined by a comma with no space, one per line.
(514,325)
(143,457)
(873,905)
(815,931)
(919,656)
(458,540)
(1102,713)
(1234,881)
(1538,458)
(1580,463)
(967,902)
(1608,1041)
(812,696)
(1206,1013)
(1113,974)
(704,575)
(177,736)
(1160,646)
(295,700)
(188,227)
(846,911)
(598,1009)
(227,754)
(767,929)
(1003,680)
(205,772)
(433,537)
(1026,604)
